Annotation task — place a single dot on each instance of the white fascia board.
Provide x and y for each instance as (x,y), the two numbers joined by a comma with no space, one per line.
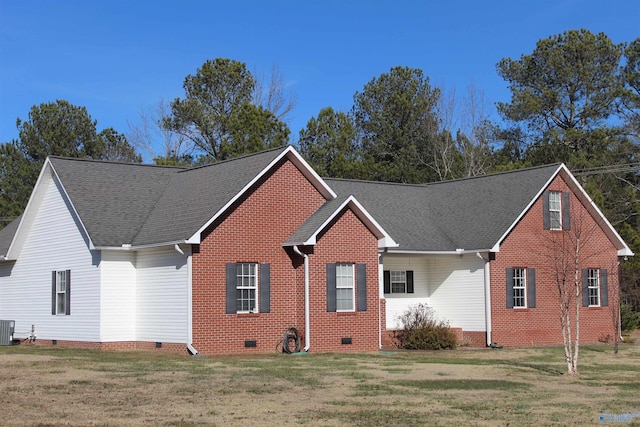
(624,250)
(384,239)
(578,191)
(75,212)
(128,247)
(27,216)
(526,209)
(309,173)
(454,252)
(297,160)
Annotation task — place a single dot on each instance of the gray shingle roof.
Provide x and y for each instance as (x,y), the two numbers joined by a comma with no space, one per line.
(193,196)
(113,200)
(124,203)
(6,235)
(470,214)
(135,204)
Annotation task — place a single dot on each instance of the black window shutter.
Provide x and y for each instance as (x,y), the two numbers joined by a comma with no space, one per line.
(265,288)
(509,287)
(231,288)
(387,281)
(68,294)
(531,287)
(409,281)
(585,288)
(53,292)
(604,287)
(361,273)
(546,216)
(566,212)
(331,288)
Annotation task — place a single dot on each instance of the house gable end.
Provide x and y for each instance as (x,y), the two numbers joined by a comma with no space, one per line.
(47,176)
(287,155)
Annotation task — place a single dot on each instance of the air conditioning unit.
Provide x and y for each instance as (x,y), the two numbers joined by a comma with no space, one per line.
(7,328)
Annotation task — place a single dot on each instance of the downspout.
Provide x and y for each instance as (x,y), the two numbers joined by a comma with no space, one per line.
(190,347)
(307,328)
(380,297)
(487,296)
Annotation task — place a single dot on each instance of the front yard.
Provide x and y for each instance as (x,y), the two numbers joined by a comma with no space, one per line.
(50,386)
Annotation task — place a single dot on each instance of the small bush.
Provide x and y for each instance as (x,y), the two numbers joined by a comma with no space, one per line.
(422,331)
(630,320)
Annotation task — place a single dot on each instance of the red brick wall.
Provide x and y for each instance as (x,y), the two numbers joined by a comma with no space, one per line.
(254,232)
(528,246)
(346,241)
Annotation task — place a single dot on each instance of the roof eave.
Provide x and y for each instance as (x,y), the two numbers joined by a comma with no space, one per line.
(297,160)
(445,252)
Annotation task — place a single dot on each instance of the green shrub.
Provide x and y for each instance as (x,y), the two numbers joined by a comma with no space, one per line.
(630,320)
(422,331)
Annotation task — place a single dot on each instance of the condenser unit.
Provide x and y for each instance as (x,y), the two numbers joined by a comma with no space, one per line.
(7,327)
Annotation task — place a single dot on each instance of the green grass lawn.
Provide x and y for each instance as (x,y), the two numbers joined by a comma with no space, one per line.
(50,386)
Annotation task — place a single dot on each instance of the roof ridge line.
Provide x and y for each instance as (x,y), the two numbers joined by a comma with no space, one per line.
(245,156)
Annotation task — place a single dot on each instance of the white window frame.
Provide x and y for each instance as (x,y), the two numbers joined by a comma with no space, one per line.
(62,287)
(398,278)
(247,287)
(593,287)
(345,287)
(555,210)
(519,287)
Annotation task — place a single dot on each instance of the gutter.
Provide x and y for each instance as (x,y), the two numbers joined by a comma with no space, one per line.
(487,297)
(307,328)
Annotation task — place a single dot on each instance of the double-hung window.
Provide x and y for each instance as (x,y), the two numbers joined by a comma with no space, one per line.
(595,287)
(398,281)
(61,292)
(519,287)
(344,287)
(555,210)
(246,287)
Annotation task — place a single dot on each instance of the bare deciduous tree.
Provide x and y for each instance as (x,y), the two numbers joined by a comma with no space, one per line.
(567,252)
(151,137)
(277,96)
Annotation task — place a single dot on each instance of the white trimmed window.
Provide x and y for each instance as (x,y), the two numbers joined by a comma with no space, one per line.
(344,287)
(398,282)
(555,210)
(61,292)
(246,287)
(593,287)
(519,287)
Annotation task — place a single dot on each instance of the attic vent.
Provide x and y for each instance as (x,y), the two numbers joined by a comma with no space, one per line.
(7,327)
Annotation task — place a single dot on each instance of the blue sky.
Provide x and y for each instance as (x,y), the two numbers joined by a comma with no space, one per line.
(118,57)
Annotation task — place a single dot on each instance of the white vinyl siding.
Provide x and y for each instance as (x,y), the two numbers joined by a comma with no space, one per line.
(162,296)
(397,303)
(118,313)
(452,285)
(55,243)
(457,290)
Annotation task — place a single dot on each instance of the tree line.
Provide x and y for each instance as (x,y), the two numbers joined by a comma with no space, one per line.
(574,99)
